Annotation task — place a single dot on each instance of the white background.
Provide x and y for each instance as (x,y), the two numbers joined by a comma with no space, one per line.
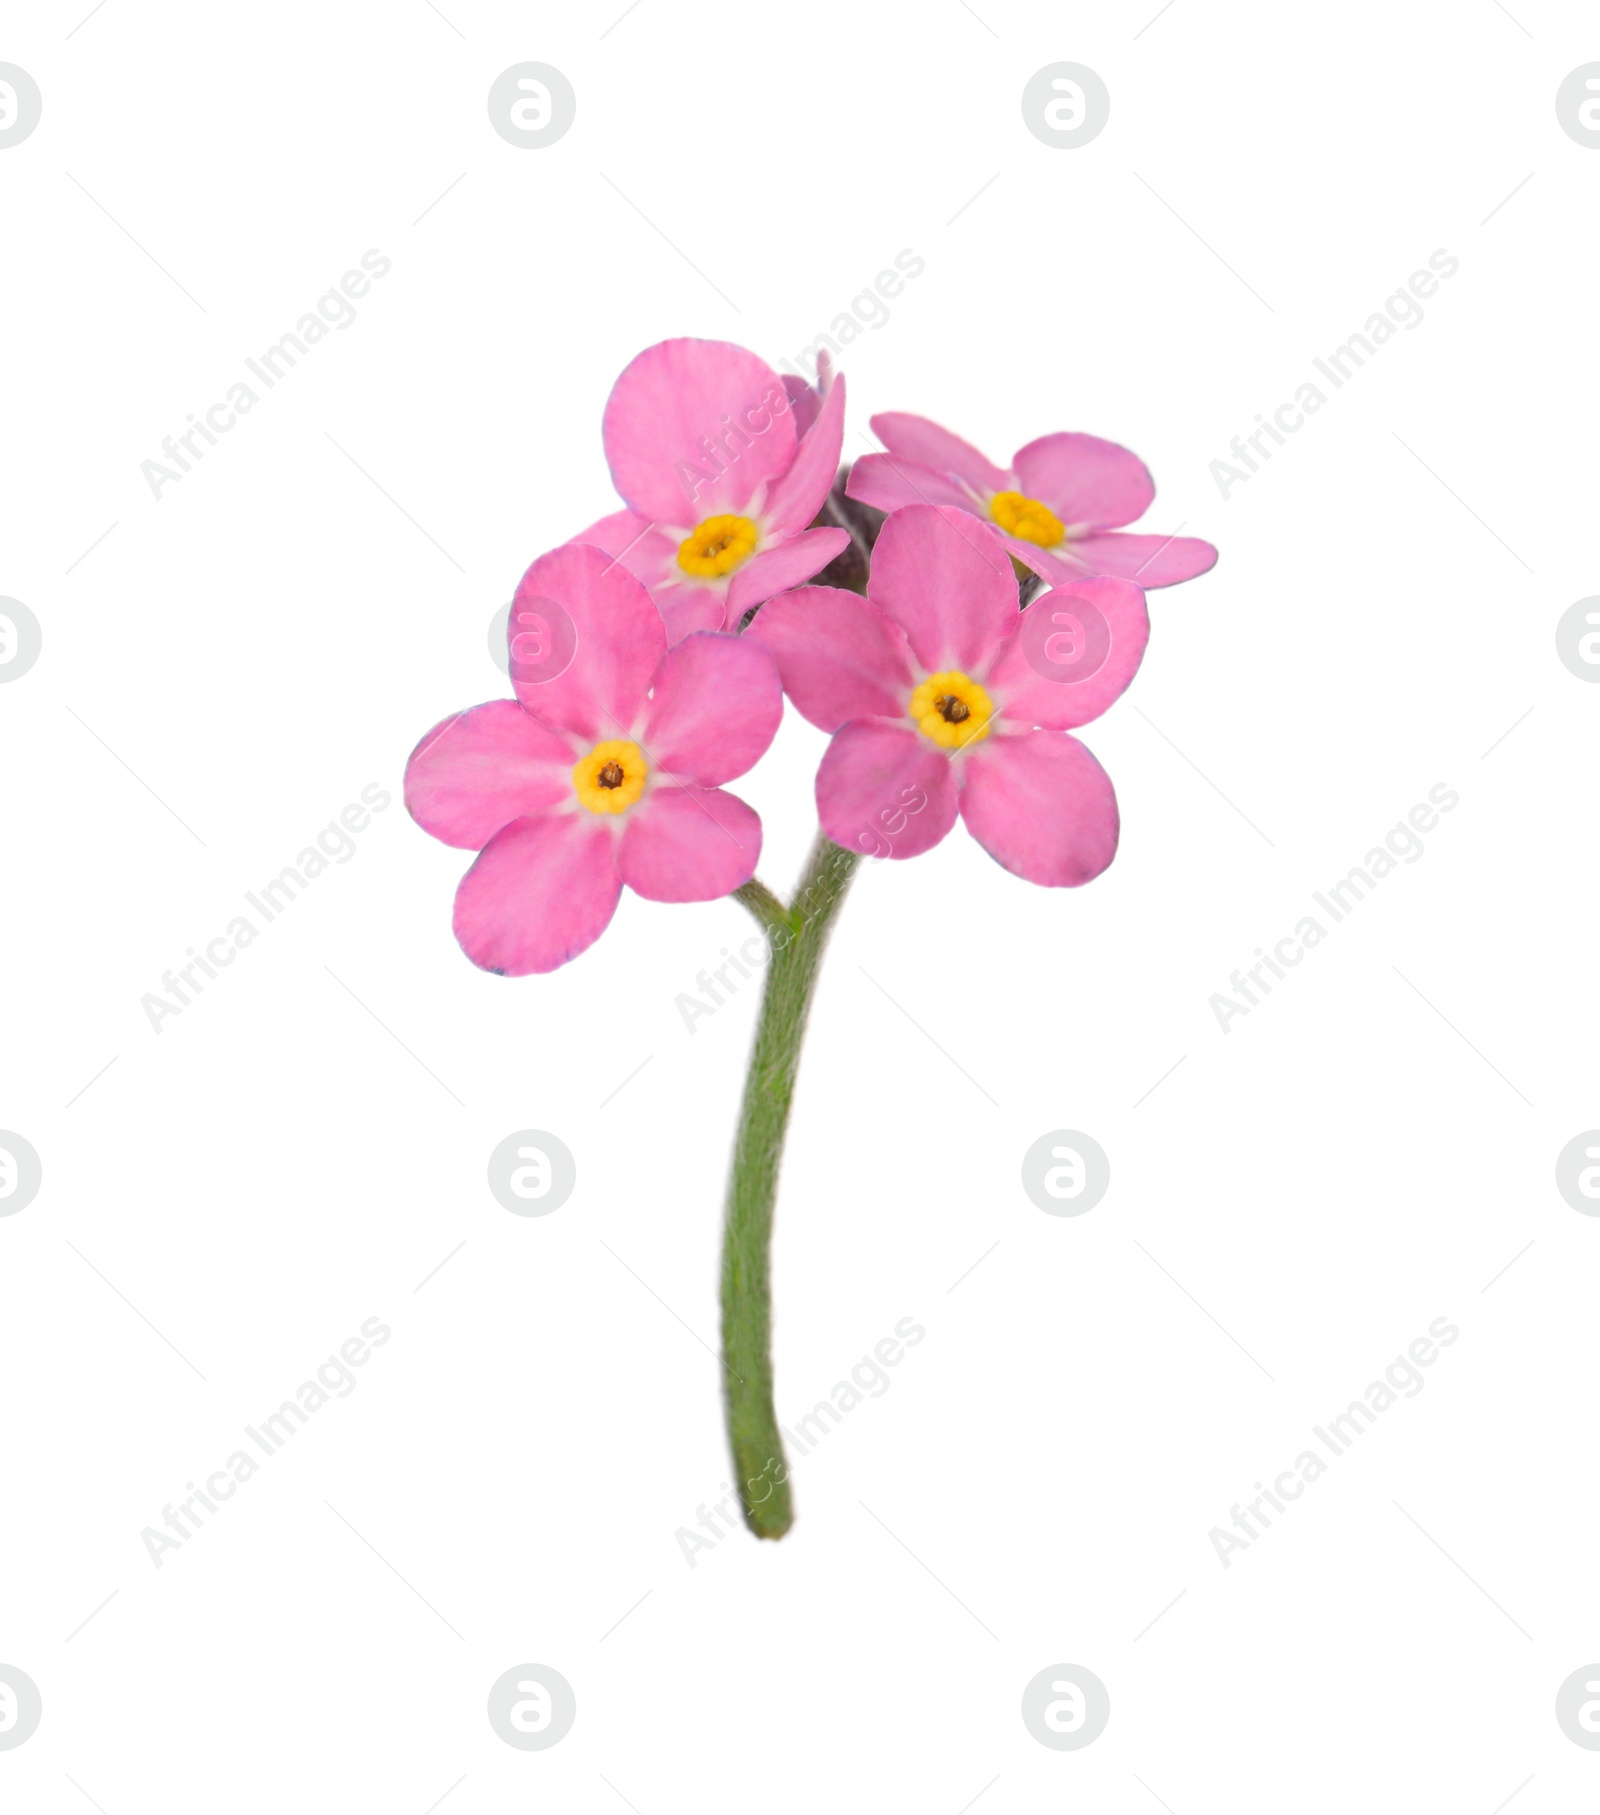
(303,1146)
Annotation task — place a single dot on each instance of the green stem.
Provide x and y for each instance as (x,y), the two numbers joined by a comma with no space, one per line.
(797,936)
(766,906)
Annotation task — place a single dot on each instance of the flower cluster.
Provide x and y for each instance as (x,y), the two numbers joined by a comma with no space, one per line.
(650,655)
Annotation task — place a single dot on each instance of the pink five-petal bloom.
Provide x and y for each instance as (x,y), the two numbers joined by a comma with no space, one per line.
(944,698)
(1060,506)
(722,465)
(607,772)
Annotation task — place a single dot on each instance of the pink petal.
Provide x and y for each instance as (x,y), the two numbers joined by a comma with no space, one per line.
(916,438)
(1148,561)
(689,844)
(799,494)
(1041,806)
(646,552)
(787,563)
(543,890)
(714,709)
(690,607)
(840,656)
(681,393)
(884,790)
(1084,479)
(476,772)
(948,581)
(1054,566)
(613,533)
(1075,650)
(606,636)
(887,482)
(804,399)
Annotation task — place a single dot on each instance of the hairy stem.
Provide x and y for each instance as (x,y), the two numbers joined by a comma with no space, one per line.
(767,908)
(797,936)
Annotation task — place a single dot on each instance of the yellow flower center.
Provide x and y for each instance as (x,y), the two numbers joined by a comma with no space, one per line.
(952,709)
(717,546)
(611,777)
(1027,519)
